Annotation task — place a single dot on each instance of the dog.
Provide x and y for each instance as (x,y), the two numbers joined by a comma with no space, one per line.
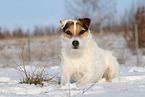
(82,59)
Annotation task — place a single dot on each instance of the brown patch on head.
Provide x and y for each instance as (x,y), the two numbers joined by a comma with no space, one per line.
(68,29)
(81,29)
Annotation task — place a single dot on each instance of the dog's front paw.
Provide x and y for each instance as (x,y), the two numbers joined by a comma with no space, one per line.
(65,86)
(69,86)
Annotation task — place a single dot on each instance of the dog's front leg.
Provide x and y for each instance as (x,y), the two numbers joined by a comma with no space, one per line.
(65,78)
(85,79)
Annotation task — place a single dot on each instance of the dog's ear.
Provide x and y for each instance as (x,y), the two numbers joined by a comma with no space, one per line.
(63,22)
(85,21)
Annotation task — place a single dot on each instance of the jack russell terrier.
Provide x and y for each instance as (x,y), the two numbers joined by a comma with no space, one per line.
(82,59)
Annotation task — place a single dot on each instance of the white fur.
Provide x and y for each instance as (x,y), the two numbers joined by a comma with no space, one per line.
(88,63)
(75,27)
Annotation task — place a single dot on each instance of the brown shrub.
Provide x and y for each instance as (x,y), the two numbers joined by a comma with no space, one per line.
(129,34)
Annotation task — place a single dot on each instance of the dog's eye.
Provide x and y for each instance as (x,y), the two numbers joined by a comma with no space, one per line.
(82,32)
(68,33)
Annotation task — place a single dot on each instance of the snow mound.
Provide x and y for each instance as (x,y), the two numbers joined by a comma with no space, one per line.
(137,69)
(4,79)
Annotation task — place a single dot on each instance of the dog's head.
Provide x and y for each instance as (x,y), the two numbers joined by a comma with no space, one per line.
(75,32)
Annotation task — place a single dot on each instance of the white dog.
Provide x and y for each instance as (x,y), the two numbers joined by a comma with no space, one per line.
(82,59)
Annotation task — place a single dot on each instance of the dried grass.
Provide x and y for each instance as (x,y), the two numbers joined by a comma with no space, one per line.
(37,76)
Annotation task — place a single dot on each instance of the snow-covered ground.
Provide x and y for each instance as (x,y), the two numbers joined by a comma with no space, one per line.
(131,81)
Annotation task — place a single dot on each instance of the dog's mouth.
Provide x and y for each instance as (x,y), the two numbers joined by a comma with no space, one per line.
(75,47)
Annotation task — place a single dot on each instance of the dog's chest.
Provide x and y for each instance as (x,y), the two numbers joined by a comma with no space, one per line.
(79,64)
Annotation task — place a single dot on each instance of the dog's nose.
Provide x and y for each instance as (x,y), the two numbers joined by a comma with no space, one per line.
(75,43)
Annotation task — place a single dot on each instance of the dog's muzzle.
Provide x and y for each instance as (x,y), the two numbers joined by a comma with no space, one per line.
(75,44)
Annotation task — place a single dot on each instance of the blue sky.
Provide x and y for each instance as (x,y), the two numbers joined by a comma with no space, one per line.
(29,13)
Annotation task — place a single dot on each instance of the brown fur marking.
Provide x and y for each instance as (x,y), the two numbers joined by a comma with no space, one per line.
(70,27)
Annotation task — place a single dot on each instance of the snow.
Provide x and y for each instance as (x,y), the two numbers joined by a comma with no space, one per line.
(131,83)
(137,69)
(4,79)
